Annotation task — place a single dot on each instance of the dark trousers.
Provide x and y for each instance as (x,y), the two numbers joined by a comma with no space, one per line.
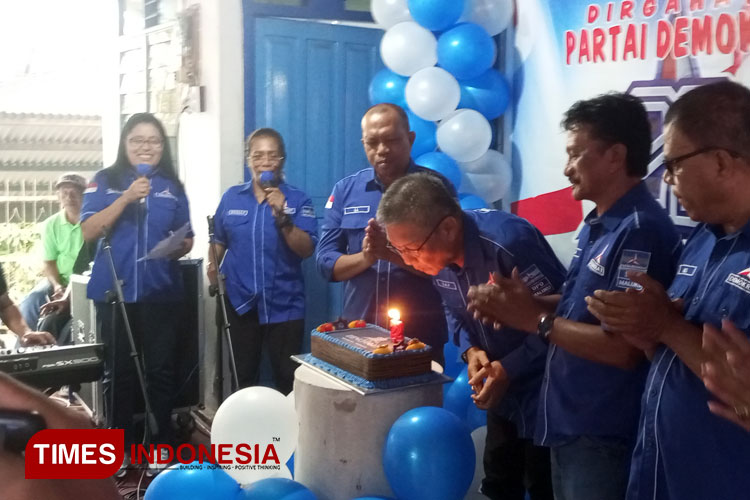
(57,323)
(512,465)
(155,336)
(281,340)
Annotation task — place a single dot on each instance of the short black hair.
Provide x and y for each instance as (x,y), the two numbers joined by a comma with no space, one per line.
(387,106)
(421,199)
(716,114)
(616,118)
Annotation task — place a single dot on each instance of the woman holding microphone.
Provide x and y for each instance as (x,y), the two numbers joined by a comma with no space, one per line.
(138,201)
(263,230)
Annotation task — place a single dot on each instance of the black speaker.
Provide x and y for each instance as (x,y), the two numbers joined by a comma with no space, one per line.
(187,354)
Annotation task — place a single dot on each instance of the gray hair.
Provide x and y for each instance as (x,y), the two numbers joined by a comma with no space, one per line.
(421,199)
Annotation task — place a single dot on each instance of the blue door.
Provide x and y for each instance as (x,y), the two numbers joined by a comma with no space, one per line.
(310,83)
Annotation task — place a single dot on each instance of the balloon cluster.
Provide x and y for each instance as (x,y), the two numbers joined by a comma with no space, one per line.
(251,415)
(439,57)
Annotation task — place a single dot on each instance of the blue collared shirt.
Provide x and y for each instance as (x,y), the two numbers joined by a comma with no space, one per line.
(497,241)
(683,450)
(262,272)
(369,295)
(138,229)
(581,397)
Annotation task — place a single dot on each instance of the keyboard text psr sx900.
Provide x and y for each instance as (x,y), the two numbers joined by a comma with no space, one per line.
(54,366)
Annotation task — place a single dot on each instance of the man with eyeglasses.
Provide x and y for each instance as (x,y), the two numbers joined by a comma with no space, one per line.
(425,224)
(684,450)
(590,397)
(353,248)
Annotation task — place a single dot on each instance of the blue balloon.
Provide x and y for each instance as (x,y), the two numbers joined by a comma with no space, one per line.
(195,481)
(425,132)
(443,164)
(475,417)
(275,488)
(488,93)
(453,362)
(429,455)
(466,51)
(471,202)
(436,15)
(387,86)
(458,398)
(290,464)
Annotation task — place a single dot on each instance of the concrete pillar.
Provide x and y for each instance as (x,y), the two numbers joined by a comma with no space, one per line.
(341,436)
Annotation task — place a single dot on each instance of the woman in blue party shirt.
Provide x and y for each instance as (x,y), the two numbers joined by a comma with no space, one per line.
(263,230)
(139,201)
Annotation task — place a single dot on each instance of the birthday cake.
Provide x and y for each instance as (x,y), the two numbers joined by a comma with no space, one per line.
(365,357)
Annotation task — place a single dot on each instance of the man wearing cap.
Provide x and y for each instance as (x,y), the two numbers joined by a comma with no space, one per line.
(61,241)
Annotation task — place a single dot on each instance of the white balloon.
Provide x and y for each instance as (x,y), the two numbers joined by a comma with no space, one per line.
(492,15)
(465,135)
(490,176)
(388,13)
(256,415)
(478,436)
(408,47)
(432,93)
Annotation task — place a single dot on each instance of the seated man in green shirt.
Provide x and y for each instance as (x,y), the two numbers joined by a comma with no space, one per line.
(61,241)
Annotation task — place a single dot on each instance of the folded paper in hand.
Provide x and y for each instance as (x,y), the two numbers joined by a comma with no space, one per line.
(168,245)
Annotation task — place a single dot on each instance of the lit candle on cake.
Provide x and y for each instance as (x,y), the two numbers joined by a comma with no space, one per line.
(397,328)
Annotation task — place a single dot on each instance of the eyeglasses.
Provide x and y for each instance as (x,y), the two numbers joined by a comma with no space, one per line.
(671,163)
(270,156)
(138,142)
(414,251)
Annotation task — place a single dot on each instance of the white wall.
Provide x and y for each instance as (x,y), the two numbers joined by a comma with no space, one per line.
(211,143)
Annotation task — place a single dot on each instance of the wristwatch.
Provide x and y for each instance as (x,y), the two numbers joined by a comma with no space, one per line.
(544,327)
(283,220)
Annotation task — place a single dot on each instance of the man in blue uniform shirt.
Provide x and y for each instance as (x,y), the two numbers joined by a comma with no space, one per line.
(425,224)
(589,403)
(353,247)
(684,451)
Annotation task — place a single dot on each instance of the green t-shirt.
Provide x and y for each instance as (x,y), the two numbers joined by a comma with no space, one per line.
(61,242)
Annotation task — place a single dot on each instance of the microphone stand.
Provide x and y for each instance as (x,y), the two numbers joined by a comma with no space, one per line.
(220,291)
(151,425)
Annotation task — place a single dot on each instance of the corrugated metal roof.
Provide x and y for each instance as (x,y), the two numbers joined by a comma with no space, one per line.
(33,141)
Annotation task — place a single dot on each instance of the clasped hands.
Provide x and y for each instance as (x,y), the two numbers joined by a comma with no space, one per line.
(375,243)
(487,379)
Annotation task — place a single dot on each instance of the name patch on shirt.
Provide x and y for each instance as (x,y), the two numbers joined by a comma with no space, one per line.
(365,209)
(686,270)
(595,264)
(235,211)
(289,210)
(92,188)
(537,282)
(308,211)
(740,280)
(165,194)
(113,191)
(632,260)
(329,203)
(446,284)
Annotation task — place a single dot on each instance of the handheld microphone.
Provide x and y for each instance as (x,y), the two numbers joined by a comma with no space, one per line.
(143,170)
(269,179)
(210,219)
